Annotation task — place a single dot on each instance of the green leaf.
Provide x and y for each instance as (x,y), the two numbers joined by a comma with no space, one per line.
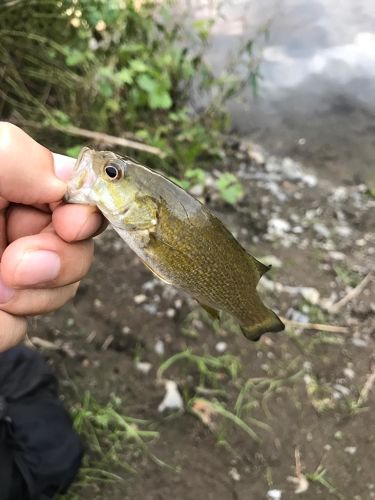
(230,188)
(105,89)
(160,99)
(75,57)
(74,150)
(138,66)
(146,83)
(124,76)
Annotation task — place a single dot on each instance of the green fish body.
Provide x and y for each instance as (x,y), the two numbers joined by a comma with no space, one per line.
(175,236)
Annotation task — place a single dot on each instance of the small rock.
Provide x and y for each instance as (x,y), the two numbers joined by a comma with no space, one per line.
(344,391)
(310,294)
(278,227)
(139,299)
(149,285)
(159,347)
(257,156)
(359,342)
(337,255)
(170,312)
(310,180)
(98,303)
(349,373)
(352,450)
(151,308)
(125,330)
(298,316)
(322,230)
(234,474)
(274,494)
(197,190)
(178,303)
(172,399)
(343,231)
(143,367)
(291,169)
(221,346)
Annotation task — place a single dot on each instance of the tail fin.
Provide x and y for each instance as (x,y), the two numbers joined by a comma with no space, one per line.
(271,323)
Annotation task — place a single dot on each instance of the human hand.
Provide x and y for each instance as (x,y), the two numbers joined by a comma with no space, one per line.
(45,246)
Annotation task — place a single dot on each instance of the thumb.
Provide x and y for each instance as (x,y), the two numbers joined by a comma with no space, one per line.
(26,169)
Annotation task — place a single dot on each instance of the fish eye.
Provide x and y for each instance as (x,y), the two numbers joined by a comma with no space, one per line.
(113,171)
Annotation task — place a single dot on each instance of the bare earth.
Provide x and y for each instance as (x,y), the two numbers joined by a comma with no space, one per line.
(313,390)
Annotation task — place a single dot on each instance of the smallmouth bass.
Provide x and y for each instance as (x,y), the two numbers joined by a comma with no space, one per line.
(175,236)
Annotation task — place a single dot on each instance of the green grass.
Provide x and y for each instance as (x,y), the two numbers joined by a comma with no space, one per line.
(113,440)
(210,368)
(320,476)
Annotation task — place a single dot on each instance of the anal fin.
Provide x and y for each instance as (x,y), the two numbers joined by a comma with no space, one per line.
(214,313)
(262,268)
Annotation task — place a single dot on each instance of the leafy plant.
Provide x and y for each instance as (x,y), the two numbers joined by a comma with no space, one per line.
(230,188)
(126,68)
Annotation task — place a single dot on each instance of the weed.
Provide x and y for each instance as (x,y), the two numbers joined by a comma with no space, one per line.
(118,66)
(110,434)
(218,408)
(320,476)
(230,188)
(210,368)
(261,389)
(347,276)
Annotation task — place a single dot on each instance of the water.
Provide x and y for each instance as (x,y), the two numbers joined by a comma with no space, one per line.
(317,96)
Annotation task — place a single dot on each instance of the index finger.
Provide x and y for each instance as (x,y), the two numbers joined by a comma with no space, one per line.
(27,173)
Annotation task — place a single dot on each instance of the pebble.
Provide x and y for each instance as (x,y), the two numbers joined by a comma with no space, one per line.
(274,494)
(151,308)
(352,450)
(359,342)
(159,347)
(221,347)
(139,299)
(234,474)
(343,231)
(322,230)
(349,373)
(143,367)
(170,312)
(337,255)
(278,227)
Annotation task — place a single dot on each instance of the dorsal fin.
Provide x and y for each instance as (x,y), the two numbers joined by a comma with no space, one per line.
(262,268)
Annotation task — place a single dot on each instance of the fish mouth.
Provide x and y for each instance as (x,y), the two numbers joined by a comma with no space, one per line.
(79,189)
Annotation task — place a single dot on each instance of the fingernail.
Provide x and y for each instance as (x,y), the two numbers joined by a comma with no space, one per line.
(6,293)
(63,166)
(38,266)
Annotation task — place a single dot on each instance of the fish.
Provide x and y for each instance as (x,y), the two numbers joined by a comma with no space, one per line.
(176,236)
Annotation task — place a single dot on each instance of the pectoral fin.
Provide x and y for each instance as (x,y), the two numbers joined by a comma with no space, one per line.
(142,214)
(271,323)
(161,278)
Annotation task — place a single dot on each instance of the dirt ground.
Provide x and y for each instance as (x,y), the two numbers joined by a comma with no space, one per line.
(307,394)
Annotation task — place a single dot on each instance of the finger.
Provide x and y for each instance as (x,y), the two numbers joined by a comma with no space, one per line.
(41,301)
(12,330)
(27,169)
(77,222)
(25,221)
(45,260)
(63,166)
